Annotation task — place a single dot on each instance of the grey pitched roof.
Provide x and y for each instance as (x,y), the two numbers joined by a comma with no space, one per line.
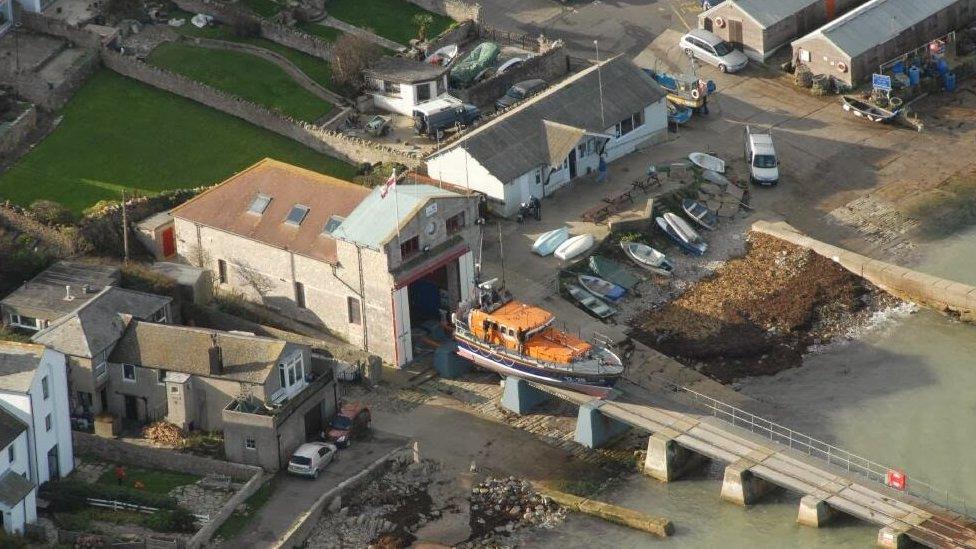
(769,12)
(44,295)
(97,324)
(18,362)
(403,70)
(374,221)
(877,22)
(10,428)
(185,349)
(14,488)
(514,143)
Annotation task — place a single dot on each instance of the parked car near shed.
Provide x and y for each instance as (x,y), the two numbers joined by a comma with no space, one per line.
(520,92)
(435,117)
(351,422)
(310,458)
(704,45)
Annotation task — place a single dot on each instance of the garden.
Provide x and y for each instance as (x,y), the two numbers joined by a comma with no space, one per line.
(119,135)
(396,20)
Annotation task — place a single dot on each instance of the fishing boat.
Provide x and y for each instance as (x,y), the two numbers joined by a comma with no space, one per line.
(707,162)
(678,114)
(699,213)
(683,90)
(690,246)
(592,303)
(547,242)
(515,339)
(648,258)
(443,56)
(574,246)
(609,269)
(715,177)
(601,288)
(866,110)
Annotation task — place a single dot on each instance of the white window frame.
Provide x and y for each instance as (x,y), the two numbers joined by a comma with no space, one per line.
(126,378)
(100,370)
(17,320)
(291,374)
(250,444)
(159,316)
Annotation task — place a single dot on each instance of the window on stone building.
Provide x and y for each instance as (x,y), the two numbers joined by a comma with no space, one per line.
(250,444)
(355,314)
(423,92)
(455,223)
(11,454)
(160,376)
(45,390)
(409,248)
(300,295)
(47,422)
(128,372)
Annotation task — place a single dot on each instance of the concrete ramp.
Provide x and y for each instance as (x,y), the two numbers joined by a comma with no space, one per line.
(950,297)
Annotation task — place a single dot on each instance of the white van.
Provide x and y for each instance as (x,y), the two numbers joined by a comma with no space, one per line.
(762,159)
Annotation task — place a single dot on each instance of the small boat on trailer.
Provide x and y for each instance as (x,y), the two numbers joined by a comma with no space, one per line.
(683,90)
(603,289)
(548,242)
(592,303)
(699,213)
(865,110)
(679,114)
(515,339)
(648,258)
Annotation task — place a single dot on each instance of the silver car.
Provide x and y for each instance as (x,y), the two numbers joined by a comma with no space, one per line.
(310,458)
(703,45)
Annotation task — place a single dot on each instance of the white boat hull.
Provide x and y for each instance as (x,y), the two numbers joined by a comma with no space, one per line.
(574,247)
(707,162)
(549,242)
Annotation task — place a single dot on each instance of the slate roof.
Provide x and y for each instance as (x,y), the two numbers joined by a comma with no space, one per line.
(877,22)
(44,295)
(10,428)
(186,349)
(18,362)
(96,325)
(769,12)
(13,488)
(514,143)
(225,207)
(405,71)
(374,222)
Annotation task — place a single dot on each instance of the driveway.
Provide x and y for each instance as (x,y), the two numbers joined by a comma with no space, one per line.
(295,495)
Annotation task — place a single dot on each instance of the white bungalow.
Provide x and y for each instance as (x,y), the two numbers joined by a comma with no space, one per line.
(397,84)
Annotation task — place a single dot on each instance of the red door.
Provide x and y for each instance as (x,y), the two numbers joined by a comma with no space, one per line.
(169,242)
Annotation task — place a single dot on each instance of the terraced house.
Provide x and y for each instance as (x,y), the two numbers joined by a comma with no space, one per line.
(334,254)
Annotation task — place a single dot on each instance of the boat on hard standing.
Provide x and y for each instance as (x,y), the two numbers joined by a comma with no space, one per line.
(610,270)
(443,57)
(683,90)
(603,289)
(865,110)
(707,162)
(574,246)
(678,114)
(648,258)
(699,213)
(596,306)
(516,339)
(548,242)
(682,234)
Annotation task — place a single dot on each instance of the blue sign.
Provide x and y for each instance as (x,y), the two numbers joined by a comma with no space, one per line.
(881,82)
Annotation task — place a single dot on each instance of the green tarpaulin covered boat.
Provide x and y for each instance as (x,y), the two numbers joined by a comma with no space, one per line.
(464,71)
(612,271)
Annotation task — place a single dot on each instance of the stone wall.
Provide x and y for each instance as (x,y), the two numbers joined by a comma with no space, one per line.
(204,534)
(14,132)
(64,243)
(550,66)
(949,297)
(352,149)
(159,458)
(284,35)
(460,34)
(49,95)
(455,9)
(56,27)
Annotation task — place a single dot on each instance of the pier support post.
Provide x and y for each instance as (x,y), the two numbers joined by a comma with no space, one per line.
(520,397)
(742,487)
(667,460)
(593,429)
(814,512)
(893,537)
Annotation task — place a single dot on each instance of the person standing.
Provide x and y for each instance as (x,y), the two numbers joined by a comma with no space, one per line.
(119,474)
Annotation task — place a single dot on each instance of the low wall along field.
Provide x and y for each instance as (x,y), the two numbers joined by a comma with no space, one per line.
(550,66)
(455,9)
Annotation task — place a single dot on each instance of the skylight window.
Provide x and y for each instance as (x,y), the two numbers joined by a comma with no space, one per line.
(297,215)
(259,204)
(332,224)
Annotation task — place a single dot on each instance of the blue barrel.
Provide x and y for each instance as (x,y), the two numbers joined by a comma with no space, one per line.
(898,68)
(943,66)
(914,75)
(950,81)
(710,87)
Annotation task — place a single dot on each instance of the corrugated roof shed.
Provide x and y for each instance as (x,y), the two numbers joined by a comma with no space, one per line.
(98,324)
(878,22)
(374,222)
(769,12)
(515,142)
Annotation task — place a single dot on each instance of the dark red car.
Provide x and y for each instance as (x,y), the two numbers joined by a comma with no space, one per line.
(351,422)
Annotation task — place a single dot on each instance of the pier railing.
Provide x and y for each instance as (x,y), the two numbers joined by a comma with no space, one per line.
(813,447)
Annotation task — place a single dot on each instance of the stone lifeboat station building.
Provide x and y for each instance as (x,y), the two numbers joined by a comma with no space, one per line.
(372,269)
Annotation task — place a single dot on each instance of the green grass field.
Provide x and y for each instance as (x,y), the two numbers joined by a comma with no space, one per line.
(243,75)
(120,134)
(154,481)
(391,19)
(316,68)
(264,8)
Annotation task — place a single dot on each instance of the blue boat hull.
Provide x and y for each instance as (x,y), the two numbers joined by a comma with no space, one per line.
(687,247)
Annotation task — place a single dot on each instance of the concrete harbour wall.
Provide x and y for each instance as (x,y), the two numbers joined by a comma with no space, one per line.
(952,298)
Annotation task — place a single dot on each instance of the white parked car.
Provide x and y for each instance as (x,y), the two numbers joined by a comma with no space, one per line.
(310,458)
(703,45)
